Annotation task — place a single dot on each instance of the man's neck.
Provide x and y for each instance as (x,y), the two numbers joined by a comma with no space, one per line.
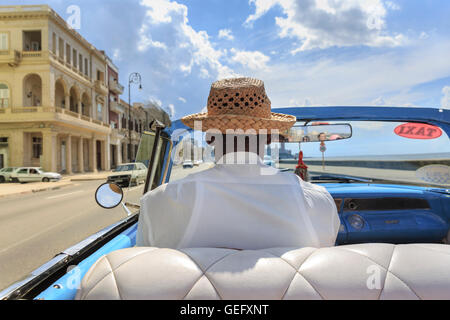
(239,158)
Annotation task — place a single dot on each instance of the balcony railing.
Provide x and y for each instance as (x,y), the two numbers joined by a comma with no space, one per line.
(31,54)
(115,87)
(100,86)
(10,57)
(56,110)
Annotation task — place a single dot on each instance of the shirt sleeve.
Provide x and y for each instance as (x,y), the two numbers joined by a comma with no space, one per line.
(323,212)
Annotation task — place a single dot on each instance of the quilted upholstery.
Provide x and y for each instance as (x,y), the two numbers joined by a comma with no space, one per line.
(367,271)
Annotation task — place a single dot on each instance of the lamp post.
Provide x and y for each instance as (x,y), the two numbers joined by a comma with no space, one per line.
(136,79)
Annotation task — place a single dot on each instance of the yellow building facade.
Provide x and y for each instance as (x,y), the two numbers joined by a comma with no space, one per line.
(53,95)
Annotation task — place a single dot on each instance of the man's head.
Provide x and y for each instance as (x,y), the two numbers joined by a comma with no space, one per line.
(239,117)
(228,143)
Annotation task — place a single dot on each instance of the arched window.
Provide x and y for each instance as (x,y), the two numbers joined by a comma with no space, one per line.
(4,96)
(32,91)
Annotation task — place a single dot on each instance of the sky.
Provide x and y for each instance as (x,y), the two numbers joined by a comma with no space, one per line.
(308,52)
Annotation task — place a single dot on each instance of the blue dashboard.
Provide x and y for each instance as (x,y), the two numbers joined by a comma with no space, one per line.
(390,213)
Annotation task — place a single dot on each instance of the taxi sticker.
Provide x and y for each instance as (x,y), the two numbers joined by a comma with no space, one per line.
(418,131)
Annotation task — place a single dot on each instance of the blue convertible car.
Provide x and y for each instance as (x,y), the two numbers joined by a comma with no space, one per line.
(387,168)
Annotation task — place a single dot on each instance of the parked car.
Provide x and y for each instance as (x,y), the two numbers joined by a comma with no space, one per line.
(129,174)
(24,175)
(198,162)
(188,164)
(268,161)
(5,174)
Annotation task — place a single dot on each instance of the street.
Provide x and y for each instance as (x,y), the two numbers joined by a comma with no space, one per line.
(36,227)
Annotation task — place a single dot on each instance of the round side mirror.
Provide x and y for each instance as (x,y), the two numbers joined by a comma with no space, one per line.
(109,195)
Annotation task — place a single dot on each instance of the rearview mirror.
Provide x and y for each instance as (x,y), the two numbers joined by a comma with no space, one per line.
(109,195)
(317,133)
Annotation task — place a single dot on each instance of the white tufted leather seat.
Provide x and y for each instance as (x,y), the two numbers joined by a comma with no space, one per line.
(368,271)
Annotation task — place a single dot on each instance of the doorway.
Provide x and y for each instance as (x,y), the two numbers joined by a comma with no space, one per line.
(113,156)
(99,155)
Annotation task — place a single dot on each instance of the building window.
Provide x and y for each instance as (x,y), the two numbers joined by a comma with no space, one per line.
(32,41)
(4,45)
(81,63)
(61,48)
(4,96)
(37,147)
(74,53)
(68,53)
(54,43)
(99,112)
(86,67)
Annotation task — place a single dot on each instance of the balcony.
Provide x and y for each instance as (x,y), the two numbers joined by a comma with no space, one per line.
(115,87)
(10,57)
(100,87)
(68,65)
(116,107)
(51,114)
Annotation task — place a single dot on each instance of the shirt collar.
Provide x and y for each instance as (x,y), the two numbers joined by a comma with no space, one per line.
(246,158)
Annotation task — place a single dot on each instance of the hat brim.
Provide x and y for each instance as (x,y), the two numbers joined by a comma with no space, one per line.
(225,122)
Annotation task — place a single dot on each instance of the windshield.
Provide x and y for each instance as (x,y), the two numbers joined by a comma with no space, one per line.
(377,151)
(128,167)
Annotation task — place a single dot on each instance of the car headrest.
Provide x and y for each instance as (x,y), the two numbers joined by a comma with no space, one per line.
(366,271)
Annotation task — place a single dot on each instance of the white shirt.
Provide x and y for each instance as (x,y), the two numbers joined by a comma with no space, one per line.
(238,206)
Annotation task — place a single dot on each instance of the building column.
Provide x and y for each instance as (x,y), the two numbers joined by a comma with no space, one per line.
(92,155)
(67,103)
(80,155)
(49,151)
(69,154)
(107,148)
(119,153)
(80,109)
(125,150)
(16,148)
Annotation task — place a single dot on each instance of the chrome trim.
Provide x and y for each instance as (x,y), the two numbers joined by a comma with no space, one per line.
(40,270)
(166,169)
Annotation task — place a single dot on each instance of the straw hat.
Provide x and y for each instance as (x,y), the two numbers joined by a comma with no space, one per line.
(239,103)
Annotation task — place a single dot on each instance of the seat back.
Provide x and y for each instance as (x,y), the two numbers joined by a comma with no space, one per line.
(366,271)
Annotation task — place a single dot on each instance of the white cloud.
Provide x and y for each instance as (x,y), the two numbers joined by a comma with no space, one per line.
(226,34)
(117,55)
(146,41)
(182,99)
(445,101)
(379,102)
(321,24)
(253,60)
(306,102)
(391,75)
(392,5)
(188,48)
(171,108)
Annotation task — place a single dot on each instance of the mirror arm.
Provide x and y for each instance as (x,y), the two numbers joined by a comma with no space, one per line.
(132,205)
(158,128)
(129,213)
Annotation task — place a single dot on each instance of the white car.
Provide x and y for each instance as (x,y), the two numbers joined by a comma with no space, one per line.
(34,175)
(188,164)
(198,162)
(5,174)
(129,174)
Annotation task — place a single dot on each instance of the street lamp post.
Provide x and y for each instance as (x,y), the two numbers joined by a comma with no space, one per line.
(136,79)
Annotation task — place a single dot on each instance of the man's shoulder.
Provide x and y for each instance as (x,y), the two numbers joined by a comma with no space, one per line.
(176,184)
